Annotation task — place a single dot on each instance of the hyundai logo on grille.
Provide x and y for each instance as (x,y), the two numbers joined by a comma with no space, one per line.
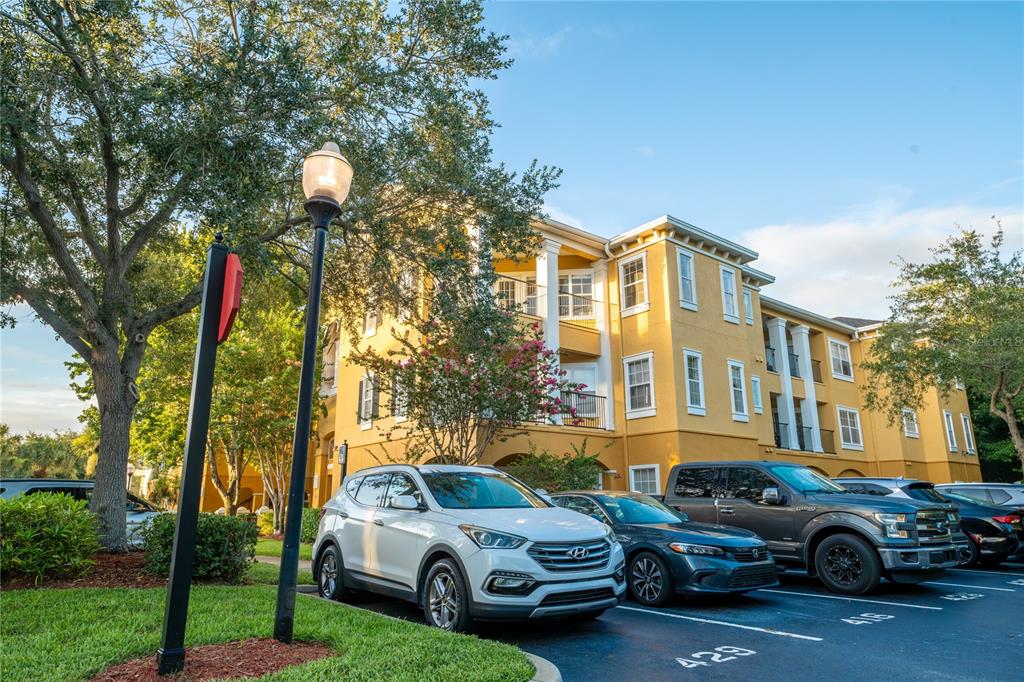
(579,553)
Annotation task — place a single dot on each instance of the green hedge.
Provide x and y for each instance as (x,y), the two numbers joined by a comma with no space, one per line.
(265,523)
(47,536)
(225,546)
(310,524)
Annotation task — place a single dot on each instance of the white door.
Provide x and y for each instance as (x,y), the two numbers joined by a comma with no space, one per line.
(586,374)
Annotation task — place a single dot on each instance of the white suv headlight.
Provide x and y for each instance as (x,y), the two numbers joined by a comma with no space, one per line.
(491,539)
(609,534)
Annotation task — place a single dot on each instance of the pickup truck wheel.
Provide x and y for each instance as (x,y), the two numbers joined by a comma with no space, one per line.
(650,581)
(847,564)
(446,603)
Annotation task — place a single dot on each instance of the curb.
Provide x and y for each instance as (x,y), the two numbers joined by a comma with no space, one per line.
(544,670)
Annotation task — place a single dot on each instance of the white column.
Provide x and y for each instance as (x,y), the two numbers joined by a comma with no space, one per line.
(547,296)
(787,413)
(604,360)
(809,406)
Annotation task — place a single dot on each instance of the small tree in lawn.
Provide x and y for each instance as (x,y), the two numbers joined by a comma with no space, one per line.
(466,375)
(960,316)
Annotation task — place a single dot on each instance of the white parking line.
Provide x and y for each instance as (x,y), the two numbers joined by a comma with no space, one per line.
(994,574)
(973,587)
(708,621)
(869,601)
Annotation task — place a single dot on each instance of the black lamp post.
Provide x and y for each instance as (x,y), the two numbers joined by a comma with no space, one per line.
(326,179)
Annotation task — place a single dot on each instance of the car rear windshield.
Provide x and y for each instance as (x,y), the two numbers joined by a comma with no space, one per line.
(924,492)
(474,490)
(638,509)
(805,480)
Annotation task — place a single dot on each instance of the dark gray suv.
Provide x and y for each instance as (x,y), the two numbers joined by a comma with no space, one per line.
(849,541)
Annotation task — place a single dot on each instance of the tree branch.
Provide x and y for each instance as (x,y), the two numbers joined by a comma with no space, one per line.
(154,318)
(67,331)
(156,221)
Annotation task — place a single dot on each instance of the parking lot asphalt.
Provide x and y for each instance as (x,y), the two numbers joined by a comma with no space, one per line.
(969,625)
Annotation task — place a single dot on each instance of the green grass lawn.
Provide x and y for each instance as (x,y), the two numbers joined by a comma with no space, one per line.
(73,634)
(266,574)
(272,547)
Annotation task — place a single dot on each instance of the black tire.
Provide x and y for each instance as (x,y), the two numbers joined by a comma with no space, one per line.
(848,565)
(649,579)
(445,598)
(971,555)
(329,575)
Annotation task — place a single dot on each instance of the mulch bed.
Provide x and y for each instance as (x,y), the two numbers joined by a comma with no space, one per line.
(236,661)
(110,570)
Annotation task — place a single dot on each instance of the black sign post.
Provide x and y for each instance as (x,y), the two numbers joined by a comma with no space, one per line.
(170,657)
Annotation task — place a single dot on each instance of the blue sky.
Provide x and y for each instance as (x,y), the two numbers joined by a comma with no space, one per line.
(829,137)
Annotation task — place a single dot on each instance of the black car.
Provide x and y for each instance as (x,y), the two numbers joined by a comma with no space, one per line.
(666,554)
(996,535)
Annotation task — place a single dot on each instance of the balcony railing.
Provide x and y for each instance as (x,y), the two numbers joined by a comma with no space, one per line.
(581,409)
(769,359)
(804,437)
(523,297)
(794,364)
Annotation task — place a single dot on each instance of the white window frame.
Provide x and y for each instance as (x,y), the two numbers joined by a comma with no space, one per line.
(399,393)
(692,408)
(691,275)
(755,391)
(748,305)
(836,343)
(407,283)
(570,303)
(638,413)
(366,416)
(368,329)
(843,443)
(916,432)
(657,477)
(965,422)
(958,383)
(639,307)
(947,424)
(743,416)
(734,315)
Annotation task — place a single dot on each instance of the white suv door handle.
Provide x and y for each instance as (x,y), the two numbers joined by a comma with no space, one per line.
(343,515)
(378,522)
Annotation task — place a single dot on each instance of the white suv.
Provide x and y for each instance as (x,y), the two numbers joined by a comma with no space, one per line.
(464,543)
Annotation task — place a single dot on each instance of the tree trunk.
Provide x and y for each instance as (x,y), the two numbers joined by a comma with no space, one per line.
(1014,426)
(117,402)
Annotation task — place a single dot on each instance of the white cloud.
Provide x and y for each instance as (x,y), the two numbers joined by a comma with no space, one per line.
(561,216)
(537,46)
(645,150)
(845,266)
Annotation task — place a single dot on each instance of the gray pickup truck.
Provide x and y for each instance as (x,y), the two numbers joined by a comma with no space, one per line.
(849,541)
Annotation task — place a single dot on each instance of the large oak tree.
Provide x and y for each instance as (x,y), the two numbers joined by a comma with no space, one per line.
(127,126)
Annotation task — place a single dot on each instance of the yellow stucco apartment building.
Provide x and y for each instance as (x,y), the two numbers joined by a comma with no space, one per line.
(686,359)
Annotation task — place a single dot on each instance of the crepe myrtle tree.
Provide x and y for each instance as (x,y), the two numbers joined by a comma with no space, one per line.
(130,128)
(467,375)
(959,317)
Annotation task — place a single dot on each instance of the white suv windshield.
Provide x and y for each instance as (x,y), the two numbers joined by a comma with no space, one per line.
(476,490)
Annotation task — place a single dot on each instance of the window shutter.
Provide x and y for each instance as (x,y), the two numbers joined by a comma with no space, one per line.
(359,402)
(375,410)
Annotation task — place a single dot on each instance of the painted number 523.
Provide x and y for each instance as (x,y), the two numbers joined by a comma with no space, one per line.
(719,655)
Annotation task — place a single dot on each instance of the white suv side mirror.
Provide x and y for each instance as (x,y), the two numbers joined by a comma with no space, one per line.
(406,502)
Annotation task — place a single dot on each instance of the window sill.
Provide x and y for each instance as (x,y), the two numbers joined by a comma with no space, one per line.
(850,446)
(696,411)
(750,321)
(736,417)
(401,420)
(731,319)
(758,410)
(642,308)
(366,426)
(912,435)
(689,306)
(842,377)
(640,414)
(368,334)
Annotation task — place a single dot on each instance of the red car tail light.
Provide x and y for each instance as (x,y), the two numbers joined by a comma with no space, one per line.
(1011,519)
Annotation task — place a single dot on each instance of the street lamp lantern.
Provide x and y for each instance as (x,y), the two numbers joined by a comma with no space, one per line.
(326,180)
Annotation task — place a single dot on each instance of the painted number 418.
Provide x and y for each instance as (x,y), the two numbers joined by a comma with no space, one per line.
(697,659)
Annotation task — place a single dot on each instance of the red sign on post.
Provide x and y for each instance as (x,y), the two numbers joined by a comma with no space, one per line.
(232,296)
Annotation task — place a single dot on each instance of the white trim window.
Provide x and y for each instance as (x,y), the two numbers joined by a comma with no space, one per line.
(965,421)
(633,285)
(687,279)
(849,428)
(407,285)
(693,364)
(748,305)
(645,479)
(755,391)
(370,320)
(910,427)
(738,391)
(958,384)
(947,420)
(399,400)
(367,400)
(638,371)
(730,310)
(576,296)
(839,355)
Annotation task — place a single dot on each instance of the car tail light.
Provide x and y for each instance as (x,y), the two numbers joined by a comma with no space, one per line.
(1011,519)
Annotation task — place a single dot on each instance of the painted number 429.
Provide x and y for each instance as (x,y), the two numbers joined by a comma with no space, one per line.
(867,619)
(717,656)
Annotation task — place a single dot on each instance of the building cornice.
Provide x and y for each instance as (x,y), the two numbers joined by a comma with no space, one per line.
(782,307)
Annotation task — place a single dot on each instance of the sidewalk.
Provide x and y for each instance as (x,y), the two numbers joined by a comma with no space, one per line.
(304,564)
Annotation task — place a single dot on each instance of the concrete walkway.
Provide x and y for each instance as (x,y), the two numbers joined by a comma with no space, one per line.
(304,564)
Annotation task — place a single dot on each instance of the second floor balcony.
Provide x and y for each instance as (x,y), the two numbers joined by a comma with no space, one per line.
(523,296)
(579,409)
(804,438)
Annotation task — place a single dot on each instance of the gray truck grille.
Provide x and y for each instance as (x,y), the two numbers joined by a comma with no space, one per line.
(933,525)
(559,557)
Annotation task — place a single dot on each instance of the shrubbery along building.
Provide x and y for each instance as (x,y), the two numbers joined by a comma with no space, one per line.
(684,359)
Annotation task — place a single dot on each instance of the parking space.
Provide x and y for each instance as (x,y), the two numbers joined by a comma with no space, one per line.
(968,625)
